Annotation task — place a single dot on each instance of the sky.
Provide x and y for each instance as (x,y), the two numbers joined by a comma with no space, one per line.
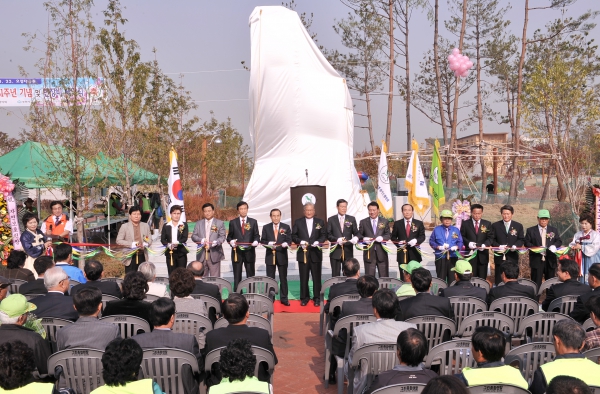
(206,40)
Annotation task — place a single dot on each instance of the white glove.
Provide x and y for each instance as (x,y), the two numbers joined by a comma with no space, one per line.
(232,243)
(552,248)
(255,243)
(354,240)
(454,248)
(303,243)
(412,242)
(379,239)
(502,247)
(134,245)
(215,243)
(441,247)
(316,243)
(271,243)
(513,248)
(472,245)
(145,244)
(367,239)
(446,246)
(481,249)
(284,245)
(340,241)
(571,244)
(202,241)
(169,246)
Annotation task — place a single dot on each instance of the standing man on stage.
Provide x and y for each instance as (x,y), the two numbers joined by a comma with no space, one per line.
(374,231)
(543,263)
(57,226)
(477,234)
(209,234)
(174,235)
(508,236)
(243,237)
(309,232)
(446,241)
(409,233)
(278,236)
(341,229)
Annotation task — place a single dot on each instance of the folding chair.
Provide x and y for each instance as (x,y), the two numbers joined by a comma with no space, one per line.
(415,388)
(546,284)
(52,325)
(262,356)
(107,298)
(527,358)
(209,302)
(497,320)
(435,328)
(13,288)
(466,306)
(451,356)
(593,354)
(80,368)
(128,325)
(165,367)
(437,284)
(379,357)
(563,304)
(151,298)
(337,303)
(589,325)
(538,327)
(260,305)
(515,307)
(259,285)
(326,285)
(192,323)
(497,388)
(477,282)
(594,389)
(525,282)
(112,279)
(390,283)
(161,279)
(222,283)
(253,321)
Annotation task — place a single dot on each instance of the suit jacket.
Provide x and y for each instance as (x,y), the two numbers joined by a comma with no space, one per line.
(55,305)
(18,273)
(514,236)
(334,231)
(533,238)
(485,237)
(417,232)
(217,233)
(86,332)
(364,306)
(182,237)
(425,304)
(126,237)
(284,234)
(249,236)
(300,233)
(580,312)
(33,287)
(141,309)
(110,288)
(342,288)
(464,288)
(510,289)
(210,290)
(376,253)
(40,346)
(402,374)
(569,287)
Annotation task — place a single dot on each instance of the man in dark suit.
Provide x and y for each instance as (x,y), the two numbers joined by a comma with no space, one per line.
(56,303)
(424,303)
(351,270)
(93,270)
(567,272)
(374,231)
(41,265)
(511,287)
(163,319)
(410,233)
(341,230)
(243,237)
(197,268)
(548,237)
(235,310)
(477,234)
(278,236)
(174,236)
(309,232)
(580,312)
(508,236)
(463,286)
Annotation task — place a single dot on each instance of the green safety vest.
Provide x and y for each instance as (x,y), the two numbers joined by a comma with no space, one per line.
(135,387)
(31,388)
(504,374)
(406,290)
(249,384)
(580,368)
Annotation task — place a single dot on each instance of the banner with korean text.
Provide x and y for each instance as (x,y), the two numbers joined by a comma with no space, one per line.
(22,92)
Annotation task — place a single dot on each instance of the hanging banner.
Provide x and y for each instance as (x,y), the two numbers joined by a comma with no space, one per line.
(596,192)
(384,193)
(415,182)
(13,214)
(21,92)
(175,190)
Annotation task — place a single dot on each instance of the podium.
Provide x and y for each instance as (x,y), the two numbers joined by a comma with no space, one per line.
(300,195)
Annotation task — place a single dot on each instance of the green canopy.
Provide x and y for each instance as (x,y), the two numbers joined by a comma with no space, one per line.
(137,175)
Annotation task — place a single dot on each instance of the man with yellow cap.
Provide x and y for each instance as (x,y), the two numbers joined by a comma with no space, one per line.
(405,271)
(463,272)
(446,241)
(547,237)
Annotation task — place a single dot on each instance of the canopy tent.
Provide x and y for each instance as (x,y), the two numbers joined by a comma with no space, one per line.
(137,175)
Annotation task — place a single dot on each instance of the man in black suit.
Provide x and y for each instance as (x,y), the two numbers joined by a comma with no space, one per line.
(567,272)
(548,237)
(511,287)
(163,319)
(463,286)
(244,231)
(278,236)
(424,303)
(41,265)
(408,232)
(56,303)
(93,270)
(341,230)
(197,268)
(374,231)
(351,270)
(309,232)
(477,234)
(580,312)
(235,310)
(508,234)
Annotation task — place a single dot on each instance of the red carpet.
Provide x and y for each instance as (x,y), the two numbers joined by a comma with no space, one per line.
(295,307)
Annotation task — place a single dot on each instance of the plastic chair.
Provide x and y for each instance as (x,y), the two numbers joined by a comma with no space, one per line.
(151,298)
(192,323)
(589,325)
(401,388)
(52,325)
(525,282)
(439,284)
(516,307)
(107,298)
(435,328)
(80,368)
(563,304)
(546,284)
(594,389)
(466,306)
(209,302)
(259,285)
(326,285)
(262,355)
(538,327)
(161,279)
(401,298)
(112,279)
(337,303)
(527,358)
(165,367)
(496,320)
(128,325)
(260,305)
(13,288)
(478,282)
(253,321)
(593,354)
(497,388)
(451,356)
(32,296)
(222,283)
(390,283)
(379,357)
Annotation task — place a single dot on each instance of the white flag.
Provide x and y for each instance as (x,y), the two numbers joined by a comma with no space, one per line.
(384,194)
(415,182)
(175,190)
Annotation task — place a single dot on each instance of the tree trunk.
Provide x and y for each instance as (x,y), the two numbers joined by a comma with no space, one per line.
(438,81)
(561,190)
(546,189)
(369,119)
(388,130)
(480,104)
(407,66)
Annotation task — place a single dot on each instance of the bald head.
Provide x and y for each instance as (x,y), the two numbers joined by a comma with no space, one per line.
(197,268)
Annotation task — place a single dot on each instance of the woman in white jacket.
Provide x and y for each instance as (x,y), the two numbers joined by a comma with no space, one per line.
(588,241)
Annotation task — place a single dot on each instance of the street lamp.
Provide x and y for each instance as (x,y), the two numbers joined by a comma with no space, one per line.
(216,138)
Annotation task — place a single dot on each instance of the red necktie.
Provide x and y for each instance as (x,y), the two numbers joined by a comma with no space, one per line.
(477,227)
(243,226)
(408,229)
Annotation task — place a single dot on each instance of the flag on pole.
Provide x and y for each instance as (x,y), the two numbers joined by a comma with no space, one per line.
(175,190)
(384,193)
(436,188)
(415,182)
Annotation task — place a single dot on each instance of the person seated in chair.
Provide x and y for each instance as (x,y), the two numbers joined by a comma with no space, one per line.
(405,271)
(149,271)
(511,287)
(93,271)
(17,365)
(351,270)
(134,291)
(205,288)
(40,265)
(15,267)
(592,338)
(567,272)
(580,313)
(568,385)
(463,272)
(56,303)
(182,284)
(63,258)
(424,303)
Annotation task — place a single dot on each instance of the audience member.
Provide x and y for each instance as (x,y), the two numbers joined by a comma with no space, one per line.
(511,287)
(63,258)
(14,267)
(487,348)
(445,385)
(87,331)
(121,363)
(56,303)
(4,286)
(463,272)
(384,330)
(567,272)
(351,270)
(424,303)
(592,338)
(13,314)
(568,342)
(182,284)
(580,313)
(411,348)
(134,288)
(237,368)
(568,385)
(17,365)
(94,271)
(204,288)
(405,271)
(157,289)
(40,265)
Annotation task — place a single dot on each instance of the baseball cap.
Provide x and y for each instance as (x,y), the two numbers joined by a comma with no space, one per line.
(462,267)
(446,213)
(411,266)
(543,213)
(15,305)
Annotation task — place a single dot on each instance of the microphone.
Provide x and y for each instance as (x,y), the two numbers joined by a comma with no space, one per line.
(306,172)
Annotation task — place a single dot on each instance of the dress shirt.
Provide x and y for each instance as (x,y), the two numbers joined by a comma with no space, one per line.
(174,230)
(507,225)
(309,226)
(592,339)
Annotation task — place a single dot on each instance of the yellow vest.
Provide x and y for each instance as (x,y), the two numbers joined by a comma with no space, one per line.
(31,388)
(249,384)
(580,368)
(504,374)
(135,387)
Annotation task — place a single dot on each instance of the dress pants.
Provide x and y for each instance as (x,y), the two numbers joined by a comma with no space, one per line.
(283,284)
(498,272)
(213,268)
(481,270)
(237,268)
(175,260)
(315,271)
(548,271)
(336,266)
(382,266)
(443,266)
(135,262)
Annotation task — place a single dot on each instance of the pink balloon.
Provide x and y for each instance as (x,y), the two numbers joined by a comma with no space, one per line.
(464,73)
(469,64)
(450,58)
(456,51)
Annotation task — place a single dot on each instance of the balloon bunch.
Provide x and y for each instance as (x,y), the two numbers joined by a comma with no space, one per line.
(458,63)
(6,185)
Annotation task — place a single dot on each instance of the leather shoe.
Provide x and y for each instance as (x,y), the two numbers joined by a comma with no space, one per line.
(332,379)
(286,303)
(317,302)
(303,303)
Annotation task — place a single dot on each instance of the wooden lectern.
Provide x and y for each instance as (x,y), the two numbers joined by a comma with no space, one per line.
(300,195)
